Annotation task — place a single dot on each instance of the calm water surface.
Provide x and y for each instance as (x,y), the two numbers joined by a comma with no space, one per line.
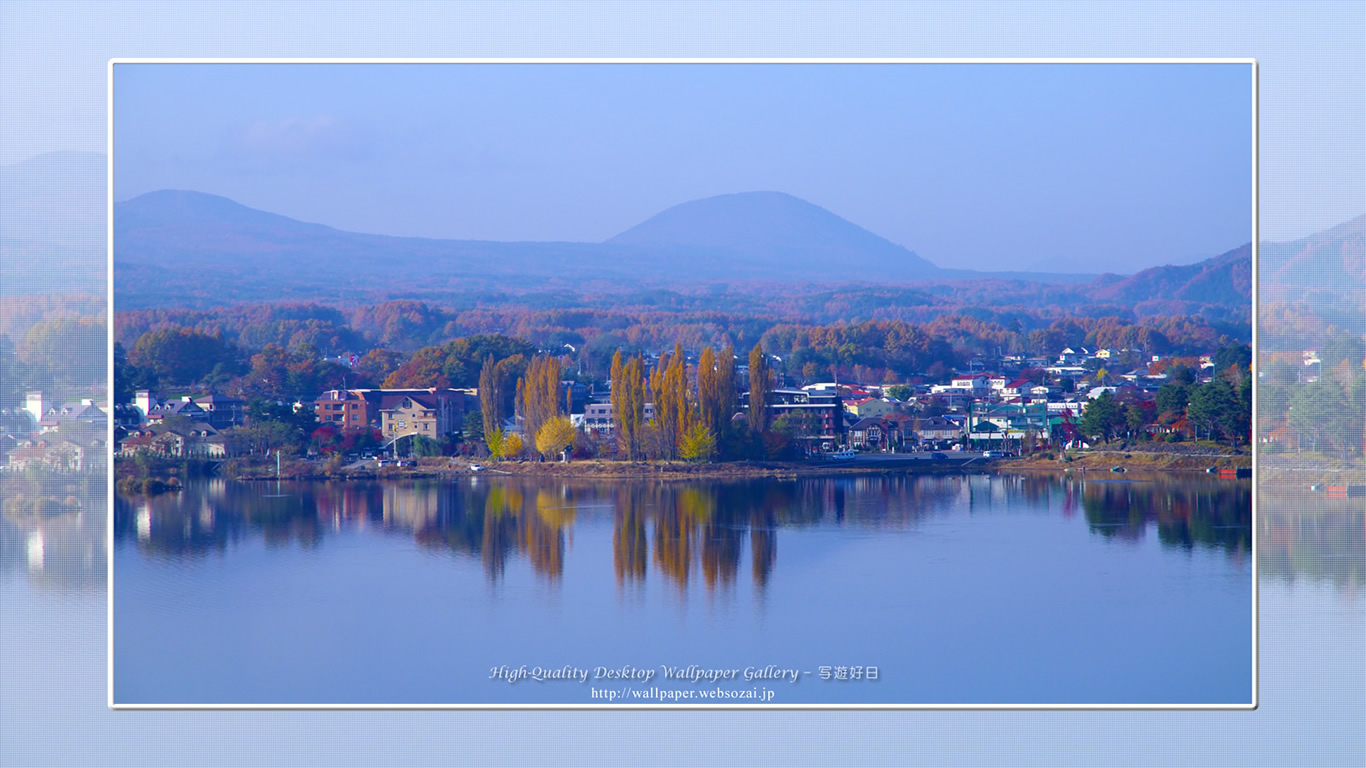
(1036,588)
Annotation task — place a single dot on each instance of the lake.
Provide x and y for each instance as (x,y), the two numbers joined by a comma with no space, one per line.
(1034,588)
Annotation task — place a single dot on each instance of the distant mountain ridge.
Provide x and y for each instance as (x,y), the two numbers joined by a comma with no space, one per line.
(778,228)
(753,236)
(1332,259)
(52,224)
(1225,279)
(765,237)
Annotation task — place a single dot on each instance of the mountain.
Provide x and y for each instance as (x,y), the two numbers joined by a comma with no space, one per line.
(233,251)
(183,247)
(1225,280)
(177,242)
(753,236)
(776,229)
(1333,259)
(52,225)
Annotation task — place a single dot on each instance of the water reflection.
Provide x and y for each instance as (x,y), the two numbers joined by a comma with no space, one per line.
(1309,535)
(52,530)
(1186,513)
(686,533)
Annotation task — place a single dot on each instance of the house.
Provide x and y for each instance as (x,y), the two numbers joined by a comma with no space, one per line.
(343,408)
(50,417)
(869,434)
(1010,420)
(179,439)
(1069,371)
(818,424)
(881,433)
(789,396)
(428,415)
(868,407)
(937,429)
(597,417)
(900,428)
(155,409)
(59,454)
(363,408)
(127,415)
(977,383)
(222,411)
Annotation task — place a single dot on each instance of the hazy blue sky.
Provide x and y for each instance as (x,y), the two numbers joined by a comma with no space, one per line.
(1063,167)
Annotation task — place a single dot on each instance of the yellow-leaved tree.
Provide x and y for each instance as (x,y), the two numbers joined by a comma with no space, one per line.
(555,435)
(698,443)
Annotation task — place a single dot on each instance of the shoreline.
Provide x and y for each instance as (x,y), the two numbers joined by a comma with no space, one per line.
(876,464)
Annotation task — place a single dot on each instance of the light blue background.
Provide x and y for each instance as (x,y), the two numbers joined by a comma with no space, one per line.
(1313,175)
(1150,162)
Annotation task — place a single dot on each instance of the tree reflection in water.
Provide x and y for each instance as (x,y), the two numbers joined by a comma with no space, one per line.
(681,528)
(1187,513)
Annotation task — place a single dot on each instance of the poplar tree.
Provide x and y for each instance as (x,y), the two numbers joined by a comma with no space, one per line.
(669,386)
(708,391)
(635,414)
(538,393)
(618,395)
(491,395)
(628,403)
(725,386)
(758,389)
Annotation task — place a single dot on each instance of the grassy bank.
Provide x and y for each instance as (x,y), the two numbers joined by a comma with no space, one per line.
(1156,458)
(1309,469)
(589,468)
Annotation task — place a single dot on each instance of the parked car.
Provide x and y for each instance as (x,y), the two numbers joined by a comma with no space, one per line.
(993,454)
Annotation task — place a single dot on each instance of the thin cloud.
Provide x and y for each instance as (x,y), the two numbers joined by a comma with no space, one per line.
(292,135)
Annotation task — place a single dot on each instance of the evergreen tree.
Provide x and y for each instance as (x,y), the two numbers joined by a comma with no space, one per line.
(1317,411)
(1214,407)
(1172,398)
(1101,417)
